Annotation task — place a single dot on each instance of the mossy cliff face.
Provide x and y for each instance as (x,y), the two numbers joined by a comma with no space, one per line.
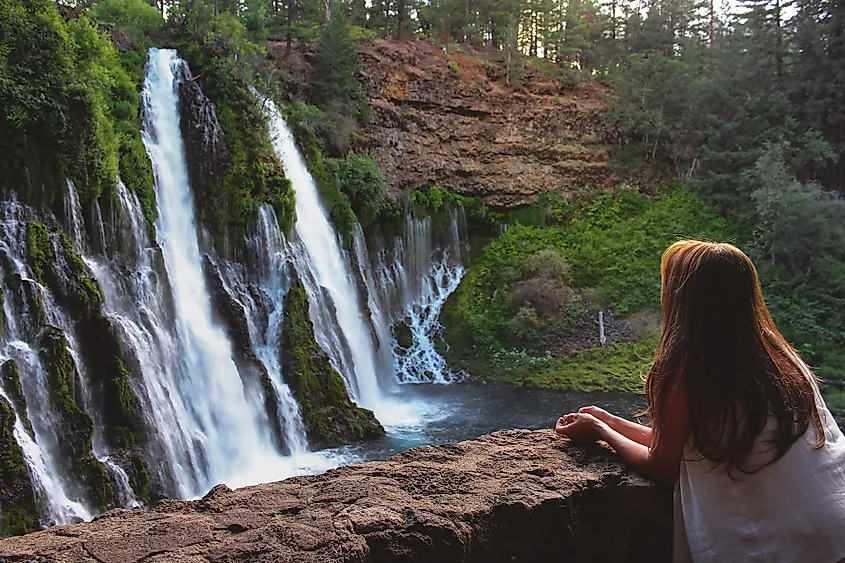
(330,417)
(18,512)
(60,269)
(77,428)
(11,382)
(232,168)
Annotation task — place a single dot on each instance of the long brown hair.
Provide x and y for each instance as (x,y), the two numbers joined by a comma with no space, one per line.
(738,370)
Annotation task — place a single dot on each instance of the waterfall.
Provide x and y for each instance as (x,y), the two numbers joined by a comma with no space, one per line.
(19,344)
(225,430)
(49,491)
(57,317)
(263,301)
(73,217)
(340,326)
(408,286)
(137,302)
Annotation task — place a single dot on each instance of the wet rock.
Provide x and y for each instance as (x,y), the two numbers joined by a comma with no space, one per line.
(329,416)
(514,496)
(18,512)
(11,382)
(206,155)
(76,430)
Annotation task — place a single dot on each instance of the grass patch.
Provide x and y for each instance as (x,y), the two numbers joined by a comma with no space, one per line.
(618,367)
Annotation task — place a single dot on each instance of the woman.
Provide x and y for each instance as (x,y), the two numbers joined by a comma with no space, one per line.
(738,423)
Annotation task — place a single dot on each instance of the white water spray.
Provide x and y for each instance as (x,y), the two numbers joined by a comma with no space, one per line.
(339,324)
(219,415)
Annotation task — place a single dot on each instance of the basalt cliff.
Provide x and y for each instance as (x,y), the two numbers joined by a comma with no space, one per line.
(454,120)
(515,496)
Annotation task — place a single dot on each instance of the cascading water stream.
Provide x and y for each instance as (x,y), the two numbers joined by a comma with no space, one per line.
(409,285)
(228,431)
(136,303)
(18,344)
(57,317)
(339,323)
(265,320)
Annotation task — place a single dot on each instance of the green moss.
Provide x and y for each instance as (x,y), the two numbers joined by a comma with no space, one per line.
(77,427)
(16,521)
(39,252)
(439,203)
(329,416)
(139,477)
(136,172)
(123,430)
(402,333)
(17,500)
(281,196)
(82,292)
(99,484)
(618,367)
(10,375)
(61,374)
(336,203)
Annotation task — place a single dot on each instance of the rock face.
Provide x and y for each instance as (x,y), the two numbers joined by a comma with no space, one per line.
(454,121)
(330,418)
(514,496)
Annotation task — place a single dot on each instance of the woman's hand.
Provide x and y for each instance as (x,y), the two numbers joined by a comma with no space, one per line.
(579,427)
(597,412)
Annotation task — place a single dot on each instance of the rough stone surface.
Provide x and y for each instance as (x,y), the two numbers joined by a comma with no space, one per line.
(452,120)
(515,496)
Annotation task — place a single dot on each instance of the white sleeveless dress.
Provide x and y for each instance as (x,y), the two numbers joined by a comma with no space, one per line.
(792,511)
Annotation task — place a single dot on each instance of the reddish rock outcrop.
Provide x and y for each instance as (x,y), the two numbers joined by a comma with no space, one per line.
(454,121)
(514,496)
(451,120)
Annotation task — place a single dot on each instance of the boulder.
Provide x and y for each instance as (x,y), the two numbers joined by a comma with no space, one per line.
(515,496)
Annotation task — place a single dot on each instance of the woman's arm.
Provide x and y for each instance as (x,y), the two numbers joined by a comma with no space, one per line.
(631,430)
(660,462)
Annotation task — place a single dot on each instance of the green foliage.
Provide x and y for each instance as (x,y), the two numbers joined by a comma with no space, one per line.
(359,178)
(835,399)
(519,294)
(142,21)
(70,108)
(218,49)
(618,367)
(335,201)
(439,203)
(336,74)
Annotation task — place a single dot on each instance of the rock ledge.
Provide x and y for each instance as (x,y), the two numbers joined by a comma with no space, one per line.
(515,496)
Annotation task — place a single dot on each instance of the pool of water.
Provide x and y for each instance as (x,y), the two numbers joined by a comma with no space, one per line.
(442,414)
(425,414)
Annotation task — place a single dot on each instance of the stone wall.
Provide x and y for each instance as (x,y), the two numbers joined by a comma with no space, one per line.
(514,496)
